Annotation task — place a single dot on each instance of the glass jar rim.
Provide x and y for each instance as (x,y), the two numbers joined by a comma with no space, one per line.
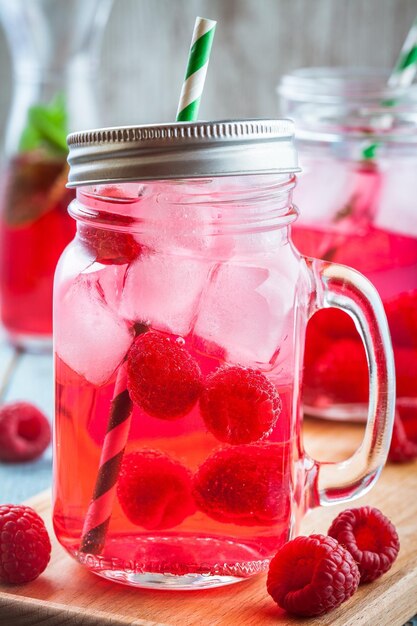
(350,103)
(350,84)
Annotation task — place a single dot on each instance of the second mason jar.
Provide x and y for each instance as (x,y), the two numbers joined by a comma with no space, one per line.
(54,47)
(180,312)
(357,139)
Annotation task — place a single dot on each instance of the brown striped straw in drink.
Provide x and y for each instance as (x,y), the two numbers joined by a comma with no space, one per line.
(100,508)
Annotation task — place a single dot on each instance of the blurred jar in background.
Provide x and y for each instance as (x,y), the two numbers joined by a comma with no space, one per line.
(54,48)
(357,142)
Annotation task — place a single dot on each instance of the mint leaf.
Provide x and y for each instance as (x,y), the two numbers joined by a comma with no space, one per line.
(49,130)
(46,126)
(30,139)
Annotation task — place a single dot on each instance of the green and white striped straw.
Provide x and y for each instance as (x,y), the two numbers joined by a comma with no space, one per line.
(195,75)
(406,66)
(402,75)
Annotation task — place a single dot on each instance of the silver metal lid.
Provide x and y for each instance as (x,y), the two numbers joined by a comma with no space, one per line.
(181,150)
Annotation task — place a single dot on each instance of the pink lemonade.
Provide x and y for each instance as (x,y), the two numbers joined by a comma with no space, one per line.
(336,375)
(200,544)
(229,299)
(34,229)
(357,139)
(180,312)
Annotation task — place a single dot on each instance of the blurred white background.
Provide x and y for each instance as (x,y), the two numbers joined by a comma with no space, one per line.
(146,46)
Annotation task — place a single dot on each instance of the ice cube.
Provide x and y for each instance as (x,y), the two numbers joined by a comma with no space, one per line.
(90,338)
(397,206)
(164,290)
(110,282)
(322,187)
(174,217)
(247,311)
(171,220)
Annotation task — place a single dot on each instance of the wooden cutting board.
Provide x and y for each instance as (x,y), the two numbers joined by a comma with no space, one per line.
(67,594)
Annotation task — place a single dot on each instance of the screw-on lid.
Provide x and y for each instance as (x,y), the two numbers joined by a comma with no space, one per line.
(181,150)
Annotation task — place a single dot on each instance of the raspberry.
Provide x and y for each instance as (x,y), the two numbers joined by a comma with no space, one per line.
(25,548)
(312,575)
(340,373)
(334,323)
(239,404)
(246,485)
(370,538)
(402,319)
(24,432)
(407,411)
(403,448)
(316,343)
(163,378)
(406,372)
(108,246)
(154,490)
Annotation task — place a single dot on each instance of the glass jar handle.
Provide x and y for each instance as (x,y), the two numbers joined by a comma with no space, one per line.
(346,289)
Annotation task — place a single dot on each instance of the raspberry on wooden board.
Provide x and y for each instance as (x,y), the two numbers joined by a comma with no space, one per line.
(312,575)
(25,548)
(370,537)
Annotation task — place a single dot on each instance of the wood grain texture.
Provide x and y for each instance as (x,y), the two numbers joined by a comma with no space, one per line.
(67,594)
(146,46)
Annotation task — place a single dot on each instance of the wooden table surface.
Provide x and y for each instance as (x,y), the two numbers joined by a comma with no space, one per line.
(66,593)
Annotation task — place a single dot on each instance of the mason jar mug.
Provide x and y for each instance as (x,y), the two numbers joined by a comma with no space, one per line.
(180,312)
(357,141)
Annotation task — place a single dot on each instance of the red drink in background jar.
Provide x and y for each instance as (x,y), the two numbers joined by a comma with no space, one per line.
(54,52)
(34,229)
(180,311)
(358,200)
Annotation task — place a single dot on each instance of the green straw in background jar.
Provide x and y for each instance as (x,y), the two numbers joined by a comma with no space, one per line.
(195,75)
(402,75)
(100,508)
(406,67)
(362,203)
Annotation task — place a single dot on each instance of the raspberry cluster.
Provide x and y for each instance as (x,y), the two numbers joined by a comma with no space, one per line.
(243,483)
(238,404)
(312,575)
(336,367)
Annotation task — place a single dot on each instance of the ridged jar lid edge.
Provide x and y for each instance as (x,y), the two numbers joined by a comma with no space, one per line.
(181,150)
